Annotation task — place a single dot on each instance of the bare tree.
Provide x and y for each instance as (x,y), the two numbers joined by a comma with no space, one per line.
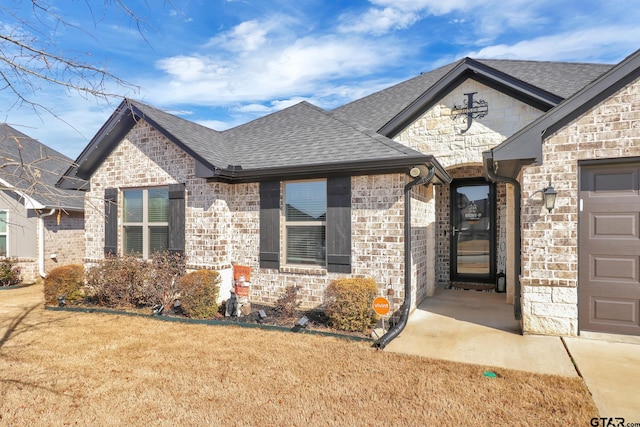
(30,58)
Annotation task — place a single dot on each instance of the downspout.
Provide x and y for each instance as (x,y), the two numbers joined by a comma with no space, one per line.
(488,168)
(41,241)
(404,315)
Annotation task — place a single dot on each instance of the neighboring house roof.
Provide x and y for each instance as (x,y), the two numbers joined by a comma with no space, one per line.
(525,146)
(31,169)
(543,84)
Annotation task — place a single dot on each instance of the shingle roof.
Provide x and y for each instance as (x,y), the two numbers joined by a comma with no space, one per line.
(207,142)
(32,168)
(305,135)
(560,78)
(525,146)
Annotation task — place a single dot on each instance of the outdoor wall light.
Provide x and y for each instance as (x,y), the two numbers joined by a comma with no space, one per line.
(549,195)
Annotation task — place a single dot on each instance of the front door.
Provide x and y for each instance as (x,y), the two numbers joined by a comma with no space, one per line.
(472,231)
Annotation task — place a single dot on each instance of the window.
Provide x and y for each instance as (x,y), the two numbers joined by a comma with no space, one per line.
(3,233)
(305,222)
(317,223)
(145,221)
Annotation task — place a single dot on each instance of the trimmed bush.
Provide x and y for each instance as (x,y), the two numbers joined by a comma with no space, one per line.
(199,293)
(9,272)
(119,282)
(167,269)
(349,304)
(65,281)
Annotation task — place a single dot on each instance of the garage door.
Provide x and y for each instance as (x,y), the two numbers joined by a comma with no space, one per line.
(609,253)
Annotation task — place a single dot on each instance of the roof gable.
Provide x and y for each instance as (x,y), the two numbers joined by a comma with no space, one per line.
(300,141)
(526,145)
(541,84)
(32,169)
(205,145)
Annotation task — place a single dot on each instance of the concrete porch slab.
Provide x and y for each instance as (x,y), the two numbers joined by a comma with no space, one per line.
(479,327)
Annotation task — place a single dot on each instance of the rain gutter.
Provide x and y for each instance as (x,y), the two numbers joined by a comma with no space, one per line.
(489,170)
(404,315)
(43,274)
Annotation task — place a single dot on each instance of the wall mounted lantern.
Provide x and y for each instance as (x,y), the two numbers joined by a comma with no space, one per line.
(549,195)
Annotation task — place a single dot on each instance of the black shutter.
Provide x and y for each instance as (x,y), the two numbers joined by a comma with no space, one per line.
(339,225)
(270,224)
(110,221)
(176,218)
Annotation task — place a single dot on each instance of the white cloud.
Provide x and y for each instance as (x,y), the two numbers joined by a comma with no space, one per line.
(283,68)
(582,45)
(432,7)
(378,21)
(245,37)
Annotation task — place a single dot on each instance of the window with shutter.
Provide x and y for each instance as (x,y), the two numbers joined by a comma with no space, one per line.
(317,223)
(145,220)
(305,222)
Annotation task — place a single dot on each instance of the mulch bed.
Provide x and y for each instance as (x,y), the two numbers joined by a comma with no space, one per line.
(317,320)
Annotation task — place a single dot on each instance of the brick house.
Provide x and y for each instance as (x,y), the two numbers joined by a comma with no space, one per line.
(41,226)
(428,183)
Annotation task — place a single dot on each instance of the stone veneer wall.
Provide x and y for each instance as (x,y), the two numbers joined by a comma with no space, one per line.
(550,240)
(28,269)
(461,154)
(66,240)
(436,133)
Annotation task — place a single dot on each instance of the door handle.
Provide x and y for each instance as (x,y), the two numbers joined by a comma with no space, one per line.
(454,230)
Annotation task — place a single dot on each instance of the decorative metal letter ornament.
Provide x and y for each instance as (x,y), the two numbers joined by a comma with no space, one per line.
(472,109)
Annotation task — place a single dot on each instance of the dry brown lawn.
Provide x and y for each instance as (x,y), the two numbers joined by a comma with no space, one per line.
(65,368)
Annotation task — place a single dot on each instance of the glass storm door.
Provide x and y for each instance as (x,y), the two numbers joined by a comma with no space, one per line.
(472,231)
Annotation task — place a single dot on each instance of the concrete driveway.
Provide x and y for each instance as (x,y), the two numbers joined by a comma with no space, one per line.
(479,327)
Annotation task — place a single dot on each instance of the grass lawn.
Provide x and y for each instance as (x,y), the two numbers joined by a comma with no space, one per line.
(62,368)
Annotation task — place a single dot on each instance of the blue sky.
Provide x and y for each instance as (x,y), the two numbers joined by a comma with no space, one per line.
(222,63)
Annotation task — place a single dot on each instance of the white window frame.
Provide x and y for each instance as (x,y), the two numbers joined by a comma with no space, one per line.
(287,224)
(6,233)
(145,223)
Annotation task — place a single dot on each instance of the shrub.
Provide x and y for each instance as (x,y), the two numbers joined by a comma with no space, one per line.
(288,303)
(119,281)
(349,304)
(9,272)
(167,269)
(199,293)
(64,281)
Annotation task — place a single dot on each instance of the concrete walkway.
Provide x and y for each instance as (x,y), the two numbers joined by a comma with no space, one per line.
(479,328)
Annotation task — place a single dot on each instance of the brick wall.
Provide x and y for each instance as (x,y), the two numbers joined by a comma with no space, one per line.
(222,221)
(65,239)
(550,240)
(377,241)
